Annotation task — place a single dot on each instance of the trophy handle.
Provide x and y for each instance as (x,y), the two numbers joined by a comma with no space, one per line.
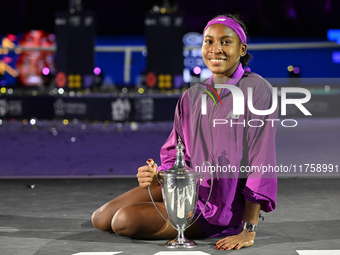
(160,182)
(158,209)
(211,187)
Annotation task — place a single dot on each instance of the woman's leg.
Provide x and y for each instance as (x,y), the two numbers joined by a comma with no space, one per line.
(102,217)
(132,214)
(143,221)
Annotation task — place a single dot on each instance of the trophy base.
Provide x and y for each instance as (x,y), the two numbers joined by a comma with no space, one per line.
(184,243)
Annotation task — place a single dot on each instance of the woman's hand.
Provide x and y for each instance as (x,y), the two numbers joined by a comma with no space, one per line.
(244,239)
(147,175)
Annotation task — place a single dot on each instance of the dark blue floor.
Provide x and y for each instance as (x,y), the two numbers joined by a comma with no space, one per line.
(83,149)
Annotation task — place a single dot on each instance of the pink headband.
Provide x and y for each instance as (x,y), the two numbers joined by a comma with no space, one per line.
(234,25)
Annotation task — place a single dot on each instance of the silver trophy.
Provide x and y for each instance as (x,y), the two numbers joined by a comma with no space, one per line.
(180,193)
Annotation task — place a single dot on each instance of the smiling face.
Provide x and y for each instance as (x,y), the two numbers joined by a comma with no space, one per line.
(221,50)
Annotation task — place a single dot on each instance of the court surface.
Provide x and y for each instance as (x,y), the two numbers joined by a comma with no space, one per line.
(53,217)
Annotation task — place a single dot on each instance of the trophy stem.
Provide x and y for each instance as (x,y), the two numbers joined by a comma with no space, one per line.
(180,237)
(180,241)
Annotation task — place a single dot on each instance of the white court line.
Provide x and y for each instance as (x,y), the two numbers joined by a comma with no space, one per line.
(97,253)
(319,252)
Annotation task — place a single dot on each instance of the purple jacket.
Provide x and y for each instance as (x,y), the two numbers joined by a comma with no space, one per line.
(236,146)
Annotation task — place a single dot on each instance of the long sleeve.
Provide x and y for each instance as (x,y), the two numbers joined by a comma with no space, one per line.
(261,187)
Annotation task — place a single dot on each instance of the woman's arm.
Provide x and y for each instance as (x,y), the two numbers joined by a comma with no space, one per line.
(252,213)
(260,188)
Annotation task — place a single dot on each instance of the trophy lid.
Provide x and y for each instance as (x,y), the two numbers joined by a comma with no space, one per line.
(179,166)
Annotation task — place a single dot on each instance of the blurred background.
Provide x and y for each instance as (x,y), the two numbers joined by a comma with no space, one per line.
(84,83)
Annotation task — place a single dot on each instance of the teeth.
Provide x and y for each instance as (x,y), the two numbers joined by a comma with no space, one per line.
(217,60)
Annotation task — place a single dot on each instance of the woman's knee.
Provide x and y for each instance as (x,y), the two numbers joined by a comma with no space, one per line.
(124,222)
(101,221)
